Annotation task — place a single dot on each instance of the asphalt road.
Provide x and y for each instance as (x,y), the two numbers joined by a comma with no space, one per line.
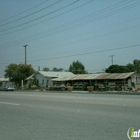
(67,116)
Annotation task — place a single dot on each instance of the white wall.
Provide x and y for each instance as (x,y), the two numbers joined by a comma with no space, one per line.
(43,81)
(136,79)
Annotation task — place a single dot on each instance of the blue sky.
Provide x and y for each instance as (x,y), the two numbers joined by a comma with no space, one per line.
(59,32)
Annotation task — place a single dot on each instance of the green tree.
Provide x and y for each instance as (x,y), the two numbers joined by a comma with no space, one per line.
(117,69)
(123,69)
(131,67)
(10,70)
(77,68)
(16,73)
(46,69)
(136,63)
(57,69)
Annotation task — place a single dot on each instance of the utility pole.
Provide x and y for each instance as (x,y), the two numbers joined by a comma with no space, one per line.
(112,58)
(25,53)
(38,68)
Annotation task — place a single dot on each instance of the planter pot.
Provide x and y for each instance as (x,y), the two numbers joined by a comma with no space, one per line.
(90,88)
(63,89)
(70,88)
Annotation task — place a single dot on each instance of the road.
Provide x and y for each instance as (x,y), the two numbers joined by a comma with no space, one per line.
(67,116)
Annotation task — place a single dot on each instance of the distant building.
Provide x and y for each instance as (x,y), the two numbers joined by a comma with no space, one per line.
(5,81)
(44,78)
(104,81)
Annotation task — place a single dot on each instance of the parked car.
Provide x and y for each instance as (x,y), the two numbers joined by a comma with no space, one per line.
(10,88)
(7,88)
(2,88)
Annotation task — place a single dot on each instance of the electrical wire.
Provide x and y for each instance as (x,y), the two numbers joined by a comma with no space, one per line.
(93,14)
(23,11)
(40,17)
(59,57)
(48,19)
(63,29)
(86,53)
(32,13)
(86,39)
(81,54)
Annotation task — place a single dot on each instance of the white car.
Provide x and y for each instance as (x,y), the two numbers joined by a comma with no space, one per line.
(10,88)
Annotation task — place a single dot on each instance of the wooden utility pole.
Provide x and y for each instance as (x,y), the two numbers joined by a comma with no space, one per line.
(25,53)
(112,58)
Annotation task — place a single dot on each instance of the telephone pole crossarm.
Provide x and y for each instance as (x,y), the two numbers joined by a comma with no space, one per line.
(112,58)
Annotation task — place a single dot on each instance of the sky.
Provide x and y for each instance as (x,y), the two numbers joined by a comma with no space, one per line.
(59,32)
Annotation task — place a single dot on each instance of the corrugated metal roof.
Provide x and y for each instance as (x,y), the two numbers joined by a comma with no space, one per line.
(84,76)
(2,79)
(55,74)
(30,77)
(63,78)
(114,75)
(99,76)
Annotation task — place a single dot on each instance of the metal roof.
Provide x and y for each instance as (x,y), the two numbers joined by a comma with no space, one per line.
(2,79)
(114,75)
(55,74)
(63,78)
(99,76)
(84,76)
(30,77)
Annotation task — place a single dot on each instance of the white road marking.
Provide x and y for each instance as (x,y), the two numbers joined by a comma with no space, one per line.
(8,103)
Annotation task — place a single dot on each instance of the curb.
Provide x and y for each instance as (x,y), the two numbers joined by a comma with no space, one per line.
(86,92)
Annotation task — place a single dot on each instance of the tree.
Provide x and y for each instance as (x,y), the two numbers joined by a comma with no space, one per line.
(77,68)
(16,73)
(57,69)
(46,69)
(131,67)
(10,70)
(123,69)
(117,69)
(136,63)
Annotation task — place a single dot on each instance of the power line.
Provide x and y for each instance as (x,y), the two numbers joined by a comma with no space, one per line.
(23,11)
(68,28)
(65,29)
(88,53)
(77,49)
(31,13)
(62,29)
(92,38)
(86,39)
(40,17)
(49,18)
(88,16)
(79,54)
